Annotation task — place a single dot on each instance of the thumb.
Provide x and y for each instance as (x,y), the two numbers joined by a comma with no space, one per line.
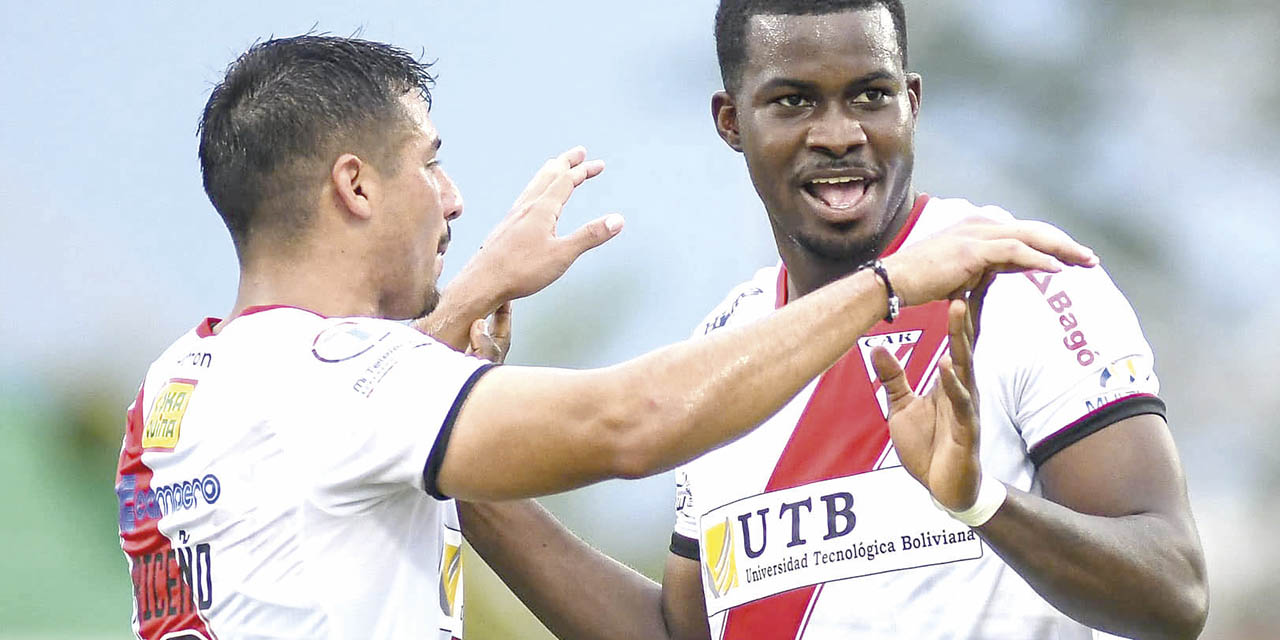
(479,332)
(594,234)
(892,377)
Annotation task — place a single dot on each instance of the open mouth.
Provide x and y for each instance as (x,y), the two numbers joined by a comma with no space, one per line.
(840,193)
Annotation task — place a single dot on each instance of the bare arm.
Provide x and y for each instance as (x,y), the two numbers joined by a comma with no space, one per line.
(539,431)
(575,590)
(1111,544)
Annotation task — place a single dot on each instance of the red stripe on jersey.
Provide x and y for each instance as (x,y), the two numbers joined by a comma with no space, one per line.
(164,598)
(841,432)
(917,208)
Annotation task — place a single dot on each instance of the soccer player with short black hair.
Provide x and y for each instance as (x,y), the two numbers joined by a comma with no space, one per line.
(872,505)
(289,471)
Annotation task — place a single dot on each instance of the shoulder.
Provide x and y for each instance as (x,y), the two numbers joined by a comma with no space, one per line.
(748,300)
(940,213)
(335,340)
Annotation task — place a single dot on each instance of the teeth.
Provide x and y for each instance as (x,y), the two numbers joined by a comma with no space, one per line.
(840,180)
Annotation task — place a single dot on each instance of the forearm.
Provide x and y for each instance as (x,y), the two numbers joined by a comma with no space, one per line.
(706,392)
(464,301)
(1136,575)
(649,414)
(576,591)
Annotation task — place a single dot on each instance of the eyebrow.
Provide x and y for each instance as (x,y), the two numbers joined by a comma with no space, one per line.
(776,83)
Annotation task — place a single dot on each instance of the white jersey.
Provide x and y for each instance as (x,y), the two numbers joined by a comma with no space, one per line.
(274,481)
(808,527)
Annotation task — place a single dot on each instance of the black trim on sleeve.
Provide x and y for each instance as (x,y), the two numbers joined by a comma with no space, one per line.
(1101,418)
(436,458)
(685,547)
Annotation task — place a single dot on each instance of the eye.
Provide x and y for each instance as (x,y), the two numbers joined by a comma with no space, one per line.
(794,101)
(871,96)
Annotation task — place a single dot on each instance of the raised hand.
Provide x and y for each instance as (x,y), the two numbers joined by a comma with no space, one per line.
(957,259)
(523,254)
(937,435)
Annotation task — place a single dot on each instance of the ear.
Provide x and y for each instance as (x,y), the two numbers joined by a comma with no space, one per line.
(354,185)
(913,94)
(725,114)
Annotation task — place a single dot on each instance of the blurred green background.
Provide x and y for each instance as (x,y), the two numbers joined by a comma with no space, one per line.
(1147,129)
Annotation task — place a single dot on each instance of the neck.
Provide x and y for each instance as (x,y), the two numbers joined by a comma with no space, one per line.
(808,271)
(327,290)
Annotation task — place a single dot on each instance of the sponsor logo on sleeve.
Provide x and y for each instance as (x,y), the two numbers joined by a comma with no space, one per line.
(837,529)
(1124,377)
(164,425)
(451,582)
(1074,340)
(723,318)
(684,493)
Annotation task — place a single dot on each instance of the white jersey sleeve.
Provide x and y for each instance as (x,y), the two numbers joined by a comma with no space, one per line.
(1071,356)
(379,428)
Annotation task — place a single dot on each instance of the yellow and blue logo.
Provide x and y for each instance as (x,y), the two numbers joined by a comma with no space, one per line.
(719,558)
(1122,372)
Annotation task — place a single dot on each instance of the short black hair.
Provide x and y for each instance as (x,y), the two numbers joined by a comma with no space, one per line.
(733,15)
(286,103)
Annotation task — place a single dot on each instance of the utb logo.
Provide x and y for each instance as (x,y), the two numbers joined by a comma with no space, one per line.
(719,558)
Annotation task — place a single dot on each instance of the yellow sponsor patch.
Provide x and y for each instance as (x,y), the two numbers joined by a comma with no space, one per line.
(718,558)
(450,573)
(164,425)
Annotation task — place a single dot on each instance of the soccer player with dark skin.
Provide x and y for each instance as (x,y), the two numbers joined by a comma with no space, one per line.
(1112,542)
(321,157)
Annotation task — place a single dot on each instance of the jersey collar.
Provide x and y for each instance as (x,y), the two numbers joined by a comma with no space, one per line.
(782,296)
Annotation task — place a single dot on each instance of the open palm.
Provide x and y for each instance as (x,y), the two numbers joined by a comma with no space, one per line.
(936,434)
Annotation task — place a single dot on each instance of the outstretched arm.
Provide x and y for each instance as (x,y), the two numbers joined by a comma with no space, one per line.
(536,431)
(1112,543)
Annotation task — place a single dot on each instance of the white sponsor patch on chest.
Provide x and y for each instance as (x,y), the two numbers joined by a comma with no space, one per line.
(831,530)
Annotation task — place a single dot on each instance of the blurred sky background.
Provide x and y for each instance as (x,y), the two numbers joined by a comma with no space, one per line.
(1146,128)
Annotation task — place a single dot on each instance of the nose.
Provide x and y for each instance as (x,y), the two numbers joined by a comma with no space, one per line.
(836,132)
(450,196)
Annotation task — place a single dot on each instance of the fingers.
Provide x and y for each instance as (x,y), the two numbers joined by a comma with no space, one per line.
(976,298)
(1008,255)
(573,162)
(1051,240)
(964,429)
(500,324)
(889,370)
(592,235)
(960,330)
(562,186)
(485,345)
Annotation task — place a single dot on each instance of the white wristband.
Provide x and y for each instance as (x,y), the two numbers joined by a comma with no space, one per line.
(991,496)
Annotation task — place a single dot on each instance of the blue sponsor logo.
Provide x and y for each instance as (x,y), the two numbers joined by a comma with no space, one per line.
(140,505)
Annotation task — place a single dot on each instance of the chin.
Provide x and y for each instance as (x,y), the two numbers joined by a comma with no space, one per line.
(835,248)
(430,303)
